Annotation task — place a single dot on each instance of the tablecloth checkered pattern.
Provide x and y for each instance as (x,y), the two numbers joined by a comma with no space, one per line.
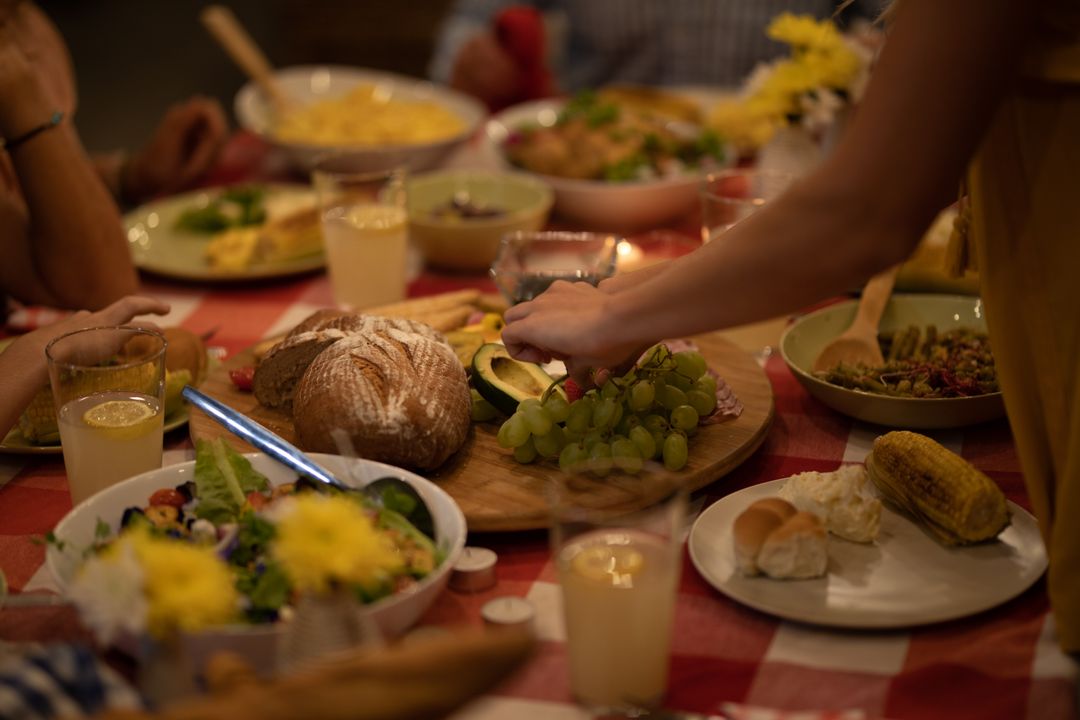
(727,660)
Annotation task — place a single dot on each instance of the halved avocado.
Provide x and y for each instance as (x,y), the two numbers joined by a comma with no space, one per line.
(503,381)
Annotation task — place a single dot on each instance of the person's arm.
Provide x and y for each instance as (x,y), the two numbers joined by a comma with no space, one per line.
(61,238)
(23,370)
(934,91)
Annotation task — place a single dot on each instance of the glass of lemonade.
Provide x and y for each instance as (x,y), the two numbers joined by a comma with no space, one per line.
(619,572)
(109,387)
(730,196)
(365,232)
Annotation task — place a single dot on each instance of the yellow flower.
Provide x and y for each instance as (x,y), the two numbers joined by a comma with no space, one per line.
(836,68)
(803,31)
(325,540)
(187,587)
(748,125)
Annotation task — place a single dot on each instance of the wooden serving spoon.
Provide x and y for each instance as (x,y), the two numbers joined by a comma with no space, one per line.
(859,343)
(235,40)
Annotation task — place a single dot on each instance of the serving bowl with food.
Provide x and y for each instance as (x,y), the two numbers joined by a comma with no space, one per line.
(458,217)
(612,167)
(938,371)
(236,505)
(376,119)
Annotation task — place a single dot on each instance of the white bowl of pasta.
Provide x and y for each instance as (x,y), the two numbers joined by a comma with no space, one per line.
(377,119)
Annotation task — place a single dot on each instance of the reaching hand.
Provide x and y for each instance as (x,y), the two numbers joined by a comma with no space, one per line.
(571,322)
(184,146)
(120,312)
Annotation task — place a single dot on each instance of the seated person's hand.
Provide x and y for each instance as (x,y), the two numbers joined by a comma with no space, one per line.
(184,146)
(486,71)
(120,312)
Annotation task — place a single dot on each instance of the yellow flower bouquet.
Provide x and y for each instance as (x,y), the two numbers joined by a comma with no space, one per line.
(824,73)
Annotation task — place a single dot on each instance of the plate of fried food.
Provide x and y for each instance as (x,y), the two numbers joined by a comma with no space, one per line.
(239,232)
(938,372)
(916,536)
(614,164)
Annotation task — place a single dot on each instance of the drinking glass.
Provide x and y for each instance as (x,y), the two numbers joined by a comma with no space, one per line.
(529,262)
(109,388)
(617,549)
(365,232)
(731,196)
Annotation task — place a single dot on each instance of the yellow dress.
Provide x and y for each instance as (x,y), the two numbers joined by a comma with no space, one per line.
(1025,224)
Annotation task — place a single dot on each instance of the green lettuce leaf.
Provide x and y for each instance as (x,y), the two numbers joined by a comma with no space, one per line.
(223,478)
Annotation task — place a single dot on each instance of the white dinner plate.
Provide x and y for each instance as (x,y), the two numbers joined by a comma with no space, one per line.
(904,579)
(158,246)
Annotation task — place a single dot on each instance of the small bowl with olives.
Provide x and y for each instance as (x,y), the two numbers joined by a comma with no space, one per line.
(458,217)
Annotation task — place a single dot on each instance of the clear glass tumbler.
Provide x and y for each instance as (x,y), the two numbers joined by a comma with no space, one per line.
(365,232)
(617,546)
(731,196)
(109,387)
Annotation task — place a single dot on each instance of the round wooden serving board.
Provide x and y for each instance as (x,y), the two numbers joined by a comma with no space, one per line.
(497,494)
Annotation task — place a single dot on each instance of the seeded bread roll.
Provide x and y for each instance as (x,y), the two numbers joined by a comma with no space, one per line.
(281,369)
(401,396)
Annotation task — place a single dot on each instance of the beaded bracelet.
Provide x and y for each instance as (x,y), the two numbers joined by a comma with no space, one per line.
(13,143)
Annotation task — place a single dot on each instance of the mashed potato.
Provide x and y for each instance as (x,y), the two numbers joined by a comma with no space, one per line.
(366,116)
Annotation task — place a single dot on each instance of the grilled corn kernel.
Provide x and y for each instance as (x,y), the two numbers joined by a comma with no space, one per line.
(956,502)
(38,422)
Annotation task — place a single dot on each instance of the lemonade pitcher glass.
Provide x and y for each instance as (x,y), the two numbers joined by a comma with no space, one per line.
(109,387)
(618,567)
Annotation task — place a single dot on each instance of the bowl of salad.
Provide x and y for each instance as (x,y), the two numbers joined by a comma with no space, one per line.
(612,166)
(228,501)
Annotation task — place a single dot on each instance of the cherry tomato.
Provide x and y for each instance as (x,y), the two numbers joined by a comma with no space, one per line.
(243,377)
(257,500)
(168,496)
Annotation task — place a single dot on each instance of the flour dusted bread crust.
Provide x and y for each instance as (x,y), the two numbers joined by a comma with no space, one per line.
(394,386)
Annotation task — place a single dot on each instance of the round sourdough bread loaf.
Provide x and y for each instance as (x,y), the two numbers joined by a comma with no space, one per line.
(400,395)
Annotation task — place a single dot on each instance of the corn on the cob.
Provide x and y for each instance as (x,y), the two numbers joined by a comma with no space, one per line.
(957,503)
(38,421)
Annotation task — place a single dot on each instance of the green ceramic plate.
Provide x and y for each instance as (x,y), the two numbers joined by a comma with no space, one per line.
(158,247)
(802,342)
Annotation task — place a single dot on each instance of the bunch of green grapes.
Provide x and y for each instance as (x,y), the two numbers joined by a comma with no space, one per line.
(647,414)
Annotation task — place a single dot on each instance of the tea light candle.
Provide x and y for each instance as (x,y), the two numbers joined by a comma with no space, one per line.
(509,611)
(474,570)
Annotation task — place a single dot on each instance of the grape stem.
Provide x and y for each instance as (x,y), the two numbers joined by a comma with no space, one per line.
(553,386)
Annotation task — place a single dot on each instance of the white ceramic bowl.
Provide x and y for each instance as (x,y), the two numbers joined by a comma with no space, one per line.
(597,204)
(310,83)
(393,615)
(803,341)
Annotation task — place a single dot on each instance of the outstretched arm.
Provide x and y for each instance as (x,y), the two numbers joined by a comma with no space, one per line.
(941,75)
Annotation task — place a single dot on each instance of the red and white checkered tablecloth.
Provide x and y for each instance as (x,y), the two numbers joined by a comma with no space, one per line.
(1003,663)
(727,660)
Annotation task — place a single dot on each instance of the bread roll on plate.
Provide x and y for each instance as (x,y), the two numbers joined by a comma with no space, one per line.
(773,538)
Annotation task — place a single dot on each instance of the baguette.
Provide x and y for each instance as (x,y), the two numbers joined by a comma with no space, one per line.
(426,305)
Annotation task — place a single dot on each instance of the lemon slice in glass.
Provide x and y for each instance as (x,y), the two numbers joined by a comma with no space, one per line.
(609,564)
(122,419)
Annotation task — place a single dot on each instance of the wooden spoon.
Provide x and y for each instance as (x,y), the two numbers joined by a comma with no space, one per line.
(859,344)
(235,40)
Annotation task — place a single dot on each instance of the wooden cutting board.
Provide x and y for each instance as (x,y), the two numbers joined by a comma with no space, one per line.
(497,494)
